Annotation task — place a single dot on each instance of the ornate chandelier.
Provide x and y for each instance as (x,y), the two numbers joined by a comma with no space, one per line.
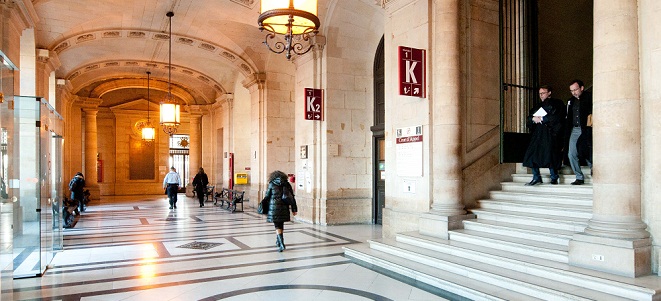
(295,19)
(170,108)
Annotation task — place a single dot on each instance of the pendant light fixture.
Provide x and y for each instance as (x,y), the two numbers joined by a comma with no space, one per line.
(295,19)
(170,108)
(148,131)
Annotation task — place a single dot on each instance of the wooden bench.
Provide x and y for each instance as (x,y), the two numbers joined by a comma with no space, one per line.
(229,199)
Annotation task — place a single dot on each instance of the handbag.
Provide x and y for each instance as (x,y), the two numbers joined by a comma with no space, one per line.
(263,207)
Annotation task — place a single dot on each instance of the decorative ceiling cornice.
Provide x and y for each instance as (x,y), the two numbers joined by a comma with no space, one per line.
(119,84)
(233,58)
(197,76)
(247,3)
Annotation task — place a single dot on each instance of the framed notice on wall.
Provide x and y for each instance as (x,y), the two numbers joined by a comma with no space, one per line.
(409,151)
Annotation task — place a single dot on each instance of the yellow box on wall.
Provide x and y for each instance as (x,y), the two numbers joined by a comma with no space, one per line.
(240,178)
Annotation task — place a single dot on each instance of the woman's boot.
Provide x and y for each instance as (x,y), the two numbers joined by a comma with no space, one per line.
(281,244)
(282,240)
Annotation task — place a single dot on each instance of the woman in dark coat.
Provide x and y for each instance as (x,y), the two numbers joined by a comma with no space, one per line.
(281,196)
(200,183)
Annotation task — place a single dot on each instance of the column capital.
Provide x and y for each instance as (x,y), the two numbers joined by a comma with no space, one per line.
(49,58)
(89,104)
(258,79)
(197,111)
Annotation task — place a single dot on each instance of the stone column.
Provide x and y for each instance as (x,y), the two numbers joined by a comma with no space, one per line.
(256,84)
(91,108)
(615,240)
(447,209)
(195,149)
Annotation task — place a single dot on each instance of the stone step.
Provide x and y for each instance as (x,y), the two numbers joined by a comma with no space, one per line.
(563,180)
(538,249)
(578,211)
(512,280)
(641,288)
(444,280)
(530,219)
(542,198)
(550,235)
(548,189)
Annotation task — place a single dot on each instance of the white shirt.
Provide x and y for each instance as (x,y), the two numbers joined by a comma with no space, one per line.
(172,178)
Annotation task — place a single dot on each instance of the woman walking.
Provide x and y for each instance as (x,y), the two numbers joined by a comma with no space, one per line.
(281,196)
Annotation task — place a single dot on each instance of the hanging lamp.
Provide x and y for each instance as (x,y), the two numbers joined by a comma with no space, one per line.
(296,20)
(169,107)
(148,131)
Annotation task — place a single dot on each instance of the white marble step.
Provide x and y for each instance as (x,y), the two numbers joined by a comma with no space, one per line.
(542,198)
(548,189)
(641,288)
(423,273)
(531,219)
(551,235)
(516,281)
(578,211)
(546,178)
(538,249)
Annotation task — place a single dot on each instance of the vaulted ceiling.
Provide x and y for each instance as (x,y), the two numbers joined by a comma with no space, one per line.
(105,47)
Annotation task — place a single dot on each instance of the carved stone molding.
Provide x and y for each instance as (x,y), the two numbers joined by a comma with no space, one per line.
(90,37)
(247,3)
(254,79)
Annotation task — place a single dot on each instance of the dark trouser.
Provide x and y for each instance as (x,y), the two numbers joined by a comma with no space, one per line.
(536,175)
(200,196)
(172,194)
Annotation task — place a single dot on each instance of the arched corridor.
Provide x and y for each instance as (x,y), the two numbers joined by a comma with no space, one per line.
(399,118)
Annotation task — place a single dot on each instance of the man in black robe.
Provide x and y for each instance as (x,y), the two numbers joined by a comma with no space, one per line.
(545,121)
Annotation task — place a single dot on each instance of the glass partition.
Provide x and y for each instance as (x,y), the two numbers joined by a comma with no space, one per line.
(34,169)
(6,204)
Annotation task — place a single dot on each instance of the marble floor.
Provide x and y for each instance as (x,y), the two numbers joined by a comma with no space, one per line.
(135,248)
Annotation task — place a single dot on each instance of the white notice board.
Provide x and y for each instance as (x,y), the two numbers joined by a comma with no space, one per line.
(409,151)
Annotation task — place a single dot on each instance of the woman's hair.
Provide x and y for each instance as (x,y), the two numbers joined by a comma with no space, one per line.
(278,174)
(200,171)
(79,174)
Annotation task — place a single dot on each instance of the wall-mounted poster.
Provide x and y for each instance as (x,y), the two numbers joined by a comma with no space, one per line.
(409,151)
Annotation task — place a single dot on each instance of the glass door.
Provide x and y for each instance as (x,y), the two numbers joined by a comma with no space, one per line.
(25,159)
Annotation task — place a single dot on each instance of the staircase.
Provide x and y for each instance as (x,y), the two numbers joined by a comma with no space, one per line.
(516,249)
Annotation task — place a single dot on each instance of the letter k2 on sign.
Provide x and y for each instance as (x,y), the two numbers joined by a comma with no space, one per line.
(412,70)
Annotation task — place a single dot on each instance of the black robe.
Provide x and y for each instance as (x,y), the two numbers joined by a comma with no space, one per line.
(546,138)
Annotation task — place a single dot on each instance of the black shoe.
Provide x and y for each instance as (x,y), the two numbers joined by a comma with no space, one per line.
(170,207)
(175,206)
(534,182)
(578,182)
(554,182)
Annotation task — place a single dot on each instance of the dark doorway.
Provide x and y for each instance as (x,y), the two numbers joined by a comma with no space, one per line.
(378,140)
(541,43)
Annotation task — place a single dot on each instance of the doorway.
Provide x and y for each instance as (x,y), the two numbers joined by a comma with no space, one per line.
(179,149)
(378,137)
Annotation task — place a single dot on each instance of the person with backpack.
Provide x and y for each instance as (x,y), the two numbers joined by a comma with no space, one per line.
(76,186)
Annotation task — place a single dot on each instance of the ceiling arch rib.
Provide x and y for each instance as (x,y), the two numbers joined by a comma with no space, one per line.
(238,62)
(129,83)
(88,74)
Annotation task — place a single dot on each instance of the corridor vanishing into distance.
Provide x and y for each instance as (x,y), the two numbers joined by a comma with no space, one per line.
(135,248)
